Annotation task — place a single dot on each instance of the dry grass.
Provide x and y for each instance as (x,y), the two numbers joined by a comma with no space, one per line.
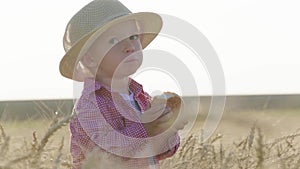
(253,150)
(35,154)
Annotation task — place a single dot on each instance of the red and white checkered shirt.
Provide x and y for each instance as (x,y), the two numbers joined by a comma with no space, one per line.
(107,123)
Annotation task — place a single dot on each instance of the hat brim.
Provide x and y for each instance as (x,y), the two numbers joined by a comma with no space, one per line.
(152,24)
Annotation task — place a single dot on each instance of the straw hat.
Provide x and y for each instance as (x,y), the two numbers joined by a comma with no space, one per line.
(93,20)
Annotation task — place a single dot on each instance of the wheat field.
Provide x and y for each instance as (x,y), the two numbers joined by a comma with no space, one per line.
(267,139)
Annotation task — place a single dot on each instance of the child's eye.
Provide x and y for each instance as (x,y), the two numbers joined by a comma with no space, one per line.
(114,41)
(134,37)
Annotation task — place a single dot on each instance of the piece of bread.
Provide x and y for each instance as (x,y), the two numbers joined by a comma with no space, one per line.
(171,100)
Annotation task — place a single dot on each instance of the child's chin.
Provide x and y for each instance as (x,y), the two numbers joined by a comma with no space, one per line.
(131,69)
(127,72)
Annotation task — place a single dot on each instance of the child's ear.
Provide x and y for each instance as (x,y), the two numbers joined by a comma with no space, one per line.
(89,60)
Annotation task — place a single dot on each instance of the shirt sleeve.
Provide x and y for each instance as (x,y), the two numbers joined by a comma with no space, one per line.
(172,146)
(123,141)
(79,144)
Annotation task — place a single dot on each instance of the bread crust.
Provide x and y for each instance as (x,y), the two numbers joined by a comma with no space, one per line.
(171,100)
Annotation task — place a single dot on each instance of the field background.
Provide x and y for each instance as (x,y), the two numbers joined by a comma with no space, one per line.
(275,115)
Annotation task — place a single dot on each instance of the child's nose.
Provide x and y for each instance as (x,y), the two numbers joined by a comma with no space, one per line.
(129,46)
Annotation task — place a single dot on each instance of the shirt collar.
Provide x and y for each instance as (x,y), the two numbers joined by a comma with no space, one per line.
(91,85)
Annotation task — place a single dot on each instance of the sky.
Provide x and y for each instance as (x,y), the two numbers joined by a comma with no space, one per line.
(257,43)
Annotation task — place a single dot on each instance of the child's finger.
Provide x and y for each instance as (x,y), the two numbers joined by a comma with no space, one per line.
(151,114)
(157,108)
(165,118)
(154,113)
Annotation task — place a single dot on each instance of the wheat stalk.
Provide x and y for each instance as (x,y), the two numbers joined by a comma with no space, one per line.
(37,147)
(259,150)
(4,146)
(57,161)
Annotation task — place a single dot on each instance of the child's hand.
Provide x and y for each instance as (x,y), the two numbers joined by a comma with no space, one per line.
(151,120)
(153,113)
(163,114)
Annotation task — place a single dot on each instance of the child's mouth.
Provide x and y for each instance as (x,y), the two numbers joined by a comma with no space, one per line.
(130,60)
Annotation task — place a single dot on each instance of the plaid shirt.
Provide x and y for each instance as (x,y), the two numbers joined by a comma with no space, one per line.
(105,122)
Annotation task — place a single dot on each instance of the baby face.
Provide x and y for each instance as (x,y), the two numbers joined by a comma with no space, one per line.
(121,48)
